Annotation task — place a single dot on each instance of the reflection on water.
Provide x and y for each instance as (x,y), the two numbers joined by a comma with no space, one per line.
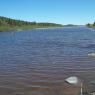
(36,62)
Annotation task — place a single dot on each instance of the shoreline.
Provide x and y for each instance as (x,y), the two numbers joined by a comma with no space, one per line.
(9,24)
(49,27)
(26,28)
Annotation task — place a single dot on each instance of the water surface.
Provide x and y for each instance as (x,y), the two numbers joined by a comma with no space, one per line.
(37,62)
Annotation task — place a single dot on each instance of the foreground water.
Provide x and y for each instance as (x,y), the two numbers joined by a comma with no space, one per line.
(37,62)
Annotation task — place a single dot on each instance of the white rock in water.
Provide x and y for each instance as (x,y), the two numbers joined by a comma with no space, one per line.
(72,80)
(91,54)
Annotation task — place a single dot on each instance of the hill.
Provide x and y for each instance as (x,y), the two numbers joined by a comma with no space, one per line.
(9,24)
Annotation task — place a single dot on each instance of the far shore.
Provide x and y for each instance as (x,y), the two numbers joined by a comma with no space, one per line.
(9,24)
(30,28)
(25,28)
(48,28)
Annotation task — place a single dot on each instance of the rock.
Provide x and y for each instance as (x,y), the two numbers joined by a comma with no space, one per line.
(91,54)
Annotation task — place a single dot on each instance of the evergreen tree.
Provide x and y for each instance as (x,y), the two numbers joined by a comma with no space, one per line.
(88,24)
(94,24)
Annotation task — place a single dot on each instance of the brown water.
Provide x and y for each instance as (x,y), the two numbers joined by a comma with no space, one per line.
(37,62)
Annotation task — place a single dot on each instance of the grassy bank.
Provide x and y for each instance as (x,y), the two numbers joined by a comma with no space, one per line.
(14,28)
(7,28)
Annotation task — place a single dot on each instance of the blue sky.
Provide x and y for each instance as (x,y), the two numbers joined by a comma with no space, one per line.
(57,11)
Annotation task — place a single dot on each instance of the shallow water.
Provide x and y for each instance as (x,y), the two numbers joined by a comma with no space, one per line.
(37,62)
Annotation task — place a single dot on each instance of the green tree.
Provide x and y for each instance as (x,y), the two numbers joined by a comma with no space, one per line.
(88,24)
(94,24)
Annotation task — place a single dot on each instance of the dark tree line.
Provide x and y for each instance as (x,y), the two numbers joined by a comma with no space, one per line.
(48,24)
(12,22)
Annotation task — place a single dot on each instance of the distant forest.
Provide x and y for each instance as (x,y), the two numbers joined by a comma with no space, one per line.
(8,21)
(12,24)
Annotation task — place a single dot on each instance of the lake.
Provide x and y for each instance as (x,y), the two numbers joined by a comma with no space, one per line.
(37,61)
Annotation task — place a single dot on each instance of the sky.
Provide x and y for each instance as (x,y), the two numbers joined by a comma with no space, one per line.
(78,12)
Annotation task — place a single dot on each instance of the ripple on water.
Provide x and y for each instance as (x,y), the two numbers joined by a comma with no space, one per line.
(38,61)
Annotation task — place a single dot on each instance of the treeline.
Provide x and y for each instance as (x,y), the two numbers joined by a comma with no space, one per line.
(12,22)
(91,25)
(8,24)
